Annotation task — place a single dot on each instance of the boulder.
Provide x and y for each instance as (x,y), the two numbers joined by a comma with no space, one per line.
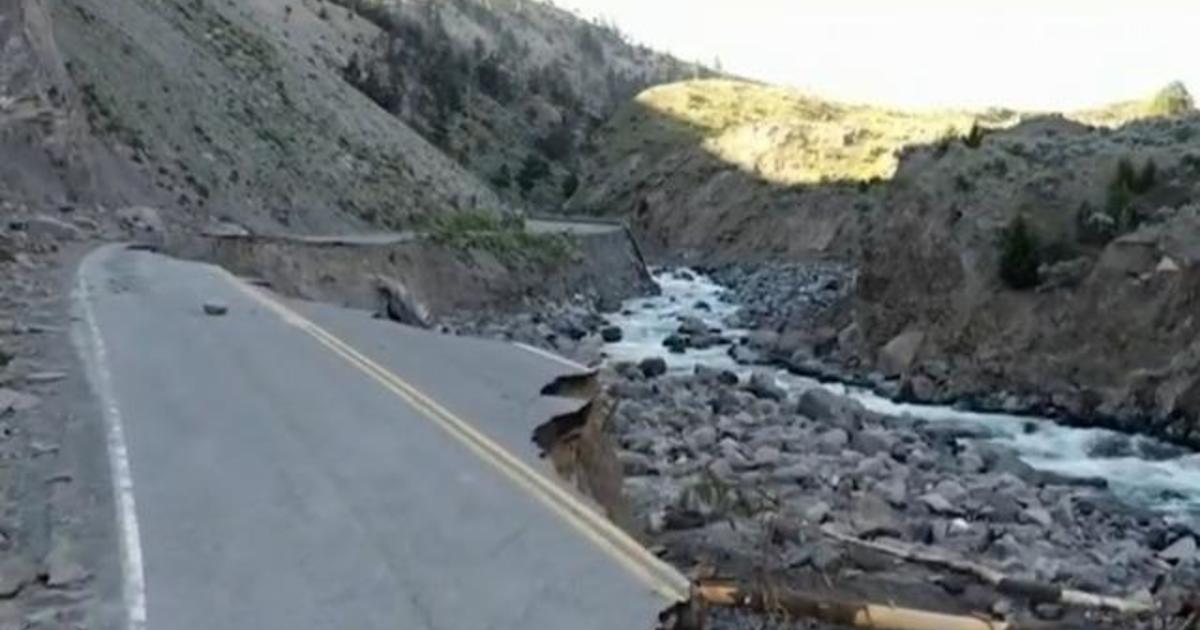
(898,355)
(817,512)
(611,334)
(701,439)
(766,456)
(675,343)
(762,384)
(653,367)
(1037,515)
(939,504)
(44,226)
(833,441)
(1181,550)
(397,303)
(825,406)
(690,325)
(146,221)
(762,339)
(872,441)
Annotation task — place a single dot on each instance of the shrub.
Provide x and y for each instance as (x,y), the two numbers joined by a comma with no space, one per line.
(570,185)
(1171,101)
(1146,177)
(1119,204)
(532,171)
(1019,256)
(503,178)
(974,137)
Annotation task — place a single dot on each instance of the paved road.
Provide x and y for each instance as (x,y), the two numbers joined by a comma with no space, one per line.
(301,468)
(535,226)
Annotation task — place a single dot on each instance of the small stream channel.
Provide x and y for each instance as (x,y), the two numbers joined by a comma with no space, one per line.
(1147,473)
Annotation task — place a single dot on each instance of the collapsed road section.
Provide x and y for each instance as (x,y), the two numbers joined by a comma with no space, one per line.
(300,464)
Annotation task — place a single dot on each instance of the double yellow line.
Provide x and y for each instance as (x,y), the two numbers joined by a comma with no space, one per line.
(653,572)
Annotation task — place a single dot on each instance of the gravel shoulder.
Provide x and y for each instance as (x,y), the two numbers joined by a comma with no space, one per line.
(58,568)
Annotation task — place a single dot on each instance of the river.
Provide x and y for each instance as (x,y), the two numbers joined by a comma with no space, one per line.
(1169,483)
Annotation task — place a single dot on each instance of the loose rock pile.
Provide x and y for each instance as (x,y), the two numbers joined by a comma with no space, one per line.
(712,466)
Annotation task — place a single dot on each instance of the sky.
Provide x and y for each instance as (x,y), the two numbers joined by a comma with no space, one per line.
(1028,54)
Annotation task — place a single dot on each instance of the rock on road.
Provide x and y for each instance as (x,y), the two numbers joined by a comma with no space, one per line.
(277,486)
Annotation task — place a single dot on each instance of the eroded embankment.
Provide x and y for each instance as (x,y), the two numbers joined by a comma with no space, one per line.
(417,278)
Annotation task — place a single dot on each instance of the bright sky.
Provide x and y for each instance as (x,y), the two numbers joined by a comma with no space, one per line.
(1044,54)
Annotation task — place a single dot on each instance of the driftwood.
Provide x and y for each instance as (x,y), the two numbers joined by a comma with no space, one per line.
(801,605)
(1037,592)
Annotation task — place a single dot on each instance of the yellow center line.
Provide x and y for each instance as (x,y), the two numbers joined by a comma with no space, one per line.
(648,568)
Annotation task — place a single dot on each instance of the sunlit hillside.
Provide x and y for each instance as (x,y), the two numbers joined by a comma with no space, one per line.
(789,137)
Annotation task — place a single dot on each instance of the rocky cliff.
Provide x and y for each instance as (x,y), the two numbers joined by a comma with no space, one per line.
(1107,333)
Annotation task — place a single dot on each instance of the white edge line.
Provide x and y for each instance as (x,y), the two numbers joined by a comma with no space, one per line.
(91,345)
(553,357)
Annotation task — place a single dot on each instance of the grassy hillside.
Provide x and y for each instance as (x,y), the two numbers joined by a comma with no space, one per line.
(782,135)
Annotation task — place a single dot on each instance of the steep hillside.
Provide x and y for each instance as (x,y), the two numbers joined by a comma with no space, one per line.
(1015,260)
(513,89)
(239,110)
(721,169)
(1055,262)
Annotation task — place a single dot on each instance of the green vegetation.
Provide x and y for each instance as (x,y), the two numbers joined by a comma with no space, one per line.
(817,140)
(502,179)
(974,137)
(1172,100)
(1127,183)
(533,170)
(503,236)
(1019,255)
(570,184)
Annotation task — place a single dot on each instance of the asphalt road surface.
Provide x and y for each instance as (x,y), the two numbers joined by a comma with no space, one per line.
(534,226)
(304,466)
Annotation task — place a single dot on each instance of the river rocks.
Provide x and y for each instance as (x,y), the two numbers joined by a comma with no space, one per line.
(702,438)
(1181,550)
(762,384)
(1037,514)
(825,406)
(872,441)
(692,326)
(833,441)
(715,376)
(766,456)
(675,343)
(897,356)
(611,334)
(746,355)
(653,367)
(939,504)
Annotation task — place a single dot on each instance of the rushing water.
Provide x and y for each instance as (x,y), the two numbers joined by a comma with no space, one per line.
(1168,484)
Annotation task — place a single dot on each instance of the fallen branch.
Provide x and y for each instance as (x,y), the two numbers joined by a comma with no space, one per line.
(1037,592)
(801,605)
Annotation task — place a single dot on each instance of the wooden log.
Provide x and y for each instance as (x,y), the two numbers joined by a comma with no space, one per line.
(1037,592)
(852,614)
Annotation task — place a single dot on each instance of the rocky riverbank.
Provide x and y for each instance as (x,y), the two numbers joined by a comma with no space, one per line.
(730,469)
